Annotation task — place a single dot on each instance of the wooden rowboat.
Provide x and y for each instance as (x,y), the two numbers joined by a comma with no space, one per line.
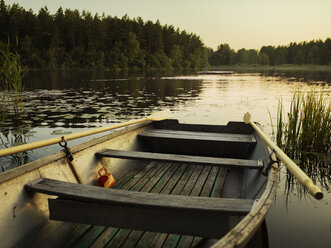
(176,185)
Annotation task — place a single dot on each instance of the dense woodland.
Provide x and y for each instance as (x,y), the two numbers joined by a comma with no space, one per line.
(315,52)
(70,39)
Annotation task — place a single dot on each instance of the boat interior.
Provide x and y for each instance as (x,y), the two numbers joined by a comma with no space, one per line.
(177,185)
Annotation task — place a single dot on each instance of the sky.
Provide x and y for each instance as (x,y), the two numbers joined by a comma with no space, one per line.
(248,24)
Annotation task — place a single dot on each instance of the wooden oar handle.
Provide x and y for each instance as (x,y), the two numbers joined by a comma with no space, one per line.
(157,116)
(292,167)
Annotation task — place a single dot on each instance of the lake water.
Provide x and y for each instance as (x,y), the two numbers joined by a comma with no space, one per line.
(58,103)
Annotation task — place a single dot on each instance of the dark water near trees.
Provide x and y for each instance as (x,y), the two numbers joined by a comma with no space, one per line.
(57,103)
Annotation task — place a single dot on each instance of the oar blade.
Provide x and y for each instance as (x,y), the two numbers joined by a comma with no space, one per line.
(161,115)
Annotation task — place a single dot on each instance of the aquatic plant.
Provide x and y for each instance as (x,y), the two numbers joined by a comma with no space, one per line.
(308,124)
(11,74)
(305,136)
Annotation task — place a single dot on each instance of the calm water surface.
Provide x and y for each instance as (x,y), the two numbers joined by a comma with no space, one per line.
(65,102)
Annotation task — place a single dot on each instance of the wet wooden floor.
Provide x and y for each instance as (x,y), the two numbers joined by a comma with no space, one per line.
(162,178)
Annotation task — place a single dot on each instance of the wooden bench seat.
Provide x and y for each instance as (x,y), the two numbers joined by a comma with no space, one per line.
(162,178)
(227,145)
(228,162)
(190,215)
(201,136)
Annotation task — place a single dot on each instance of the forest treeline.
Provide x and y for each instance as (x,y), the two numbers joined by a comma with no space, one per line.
(73,39)
(315,52)
(69,39)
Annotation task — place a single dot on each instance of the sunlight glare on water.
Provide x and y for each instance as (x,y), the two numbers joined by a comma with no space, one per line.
(225,98)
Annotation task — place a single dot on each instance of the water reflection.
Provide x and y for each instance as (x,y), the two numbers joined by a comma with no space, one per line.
(9,138)
(313,74)
(303,76)
(96,103)
(83,99)
(316,166)
(103,102)
(78,78)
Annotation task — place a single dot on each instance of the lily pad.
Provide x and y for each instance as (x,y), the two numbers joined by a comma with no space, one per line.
(69,116)
(27,122)
(60,132)
(59,123)
(88,116)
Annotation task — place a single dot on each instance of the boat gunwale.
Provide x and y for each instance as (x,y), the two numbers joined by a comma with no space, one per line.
(33,165)
(242,233)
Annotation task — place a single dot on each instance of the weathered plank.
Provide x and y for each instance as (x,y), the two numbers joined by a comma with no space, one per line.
(125,237)
(207,188)
(132,239)
(201,181)
(199,216)
(167,178)
(124,180)
(79,231)
(105,237)
(201,136)
(191,182)
(213,188)
(183,187)
(219,183)
(186,241)
(168,175)
(152,181)
(186,221)
(145,240)
(150,169)
(164,180)
(203,160)
(99,236)
(87,240)
(172,239)
(231,127)
(119,238)
(117,197)
(130,182)
(152,239)
(145,179)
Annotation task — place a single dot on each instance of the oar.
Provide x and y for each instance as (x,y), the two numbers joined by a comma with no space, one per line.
(291,166)
(157,116)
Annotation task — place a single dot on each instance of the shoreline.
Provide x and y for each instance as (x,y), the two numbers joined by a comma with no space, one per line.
(286,67)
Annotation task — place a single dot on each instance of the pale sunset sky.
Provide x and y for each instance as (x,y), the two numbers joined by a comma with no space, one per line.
(240,23)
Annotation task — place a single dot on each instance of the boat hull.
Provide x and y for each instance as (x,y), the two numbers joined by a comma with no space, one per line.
(27,213)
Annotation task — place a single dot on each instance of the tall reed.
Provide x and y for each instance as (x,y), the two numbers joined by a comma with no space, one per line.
(308,124)
(11,74)
(305,133)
